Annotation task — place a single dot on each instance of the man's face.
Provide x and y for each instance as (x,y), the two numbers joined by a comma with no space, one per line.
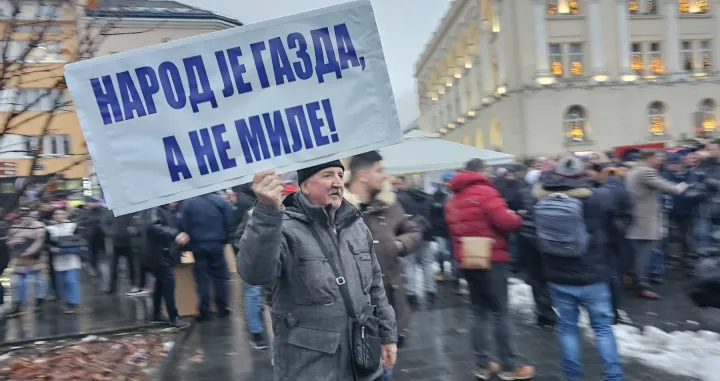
(60,215)
(676,167)
(510,176)
(656,160)
(398,184)
(325,187)
(374,178)
(713,150)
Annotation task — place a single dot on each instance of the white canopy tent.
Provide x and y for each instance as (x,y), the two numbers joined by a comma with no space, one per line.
(423,152)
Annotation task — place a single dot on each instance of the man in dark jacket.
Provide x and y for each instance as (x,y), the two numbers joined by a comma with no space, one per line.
(91,223)
(119,231)
(439,228)
(207,220)
(477,210)
(394,234)
(581,280)
(417,204)
(682,215)
(164,238)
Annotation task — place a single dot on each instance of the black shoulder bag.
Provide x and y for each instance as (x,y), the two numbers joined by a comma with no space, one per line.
(364,329)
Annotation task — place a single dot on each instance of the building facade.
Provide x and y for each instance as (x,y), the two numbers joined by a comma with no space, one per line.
(30,91)
(544,77)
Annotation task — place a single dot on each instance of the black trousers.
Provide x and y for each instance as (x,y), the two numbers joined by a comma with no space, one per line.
(96,244)
(121,251)
(164,290)
(532,263)
(53,278)
(211,269)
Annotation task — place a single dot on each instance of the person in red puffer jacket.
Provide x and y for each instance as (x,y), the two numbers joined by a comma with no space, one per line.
(478,210)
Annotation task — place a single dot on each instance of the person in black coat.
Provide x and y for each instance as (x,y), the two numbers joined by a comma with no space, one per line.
(532,259)
(4,256)
(164,239)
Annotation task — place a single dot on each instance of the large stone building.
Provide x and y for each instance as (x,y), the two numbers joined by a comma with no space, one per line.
(541,77)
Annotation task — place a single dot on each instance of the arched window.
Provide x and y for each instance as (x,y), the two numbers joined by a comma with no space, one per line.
(656,119)
(706,121)
(563,7)
(575,123)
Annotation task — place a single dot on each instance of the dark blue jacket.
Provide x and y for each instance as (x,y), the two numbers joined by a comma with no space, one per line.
(591,267)
(208,220)
(681,205)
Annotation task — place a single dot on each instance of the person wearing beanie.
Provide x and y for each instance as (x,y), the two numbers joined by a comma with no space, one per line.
(320,257)
(570,220)
(394,233)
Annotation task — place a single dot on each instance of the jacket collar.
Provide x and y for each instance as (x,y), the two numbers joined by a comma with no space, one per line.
(539,193)
(299,207)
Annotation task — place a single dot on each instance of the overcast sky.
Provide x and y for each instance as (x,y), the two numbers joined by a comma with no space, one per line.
(405,26)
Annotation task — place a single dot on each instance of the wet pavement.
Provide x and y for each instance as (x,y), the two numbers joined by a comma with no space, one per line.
(439,349)
(98,311)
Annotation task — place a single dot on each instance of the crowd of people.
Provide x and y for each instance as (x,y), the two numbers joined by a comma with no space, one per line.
(342,255)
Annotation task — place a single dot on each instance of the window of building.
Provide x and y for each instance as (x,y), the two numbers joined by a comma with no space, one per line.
(576,59)
(707,121)
(646,59)
(687,56)
(652,7)
(56,145)
(634,7)
(47,11)
(655,57)
(690,7)
(636,58)
(705,55)
(657,119)
(640,7)
(28,10)
(563,7)
(46,51)
(556,60)
(27,99)
(575,122)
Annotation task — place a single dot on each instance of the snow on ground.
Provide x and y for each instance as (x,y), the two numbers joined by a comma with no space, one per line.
(682,353)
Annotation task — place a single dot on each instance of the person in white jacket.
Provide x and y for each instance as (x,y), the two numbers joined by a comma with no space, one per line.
(65,245)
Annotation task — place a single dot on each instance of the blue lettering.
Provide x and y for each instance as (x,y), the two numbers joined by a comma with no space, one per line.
(149,86)
(175,160)
(199,83)
(238,69)
(130,96)
(323,46)
(330,120)
(252,139)
(172,85)
(303,68)
(298,121)
(280,62)
(222,146)
(204,152)
(276,133)
(257,49)
(346,49)
(107,100)
(228,88)
(316,123)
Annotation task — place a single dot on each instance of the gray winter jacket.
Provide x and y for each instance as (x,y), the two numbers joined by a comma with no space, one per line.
(309,318)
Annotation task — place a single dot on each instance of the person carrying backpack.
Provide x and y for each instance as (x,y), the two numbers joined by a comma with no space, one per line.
(418,205)
(570,224)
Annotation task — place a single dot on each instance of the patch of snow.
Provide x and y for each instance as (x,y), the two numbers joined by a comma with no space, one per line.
(168,346)
(88,339)
(39,342)
(682,353)
(5,357)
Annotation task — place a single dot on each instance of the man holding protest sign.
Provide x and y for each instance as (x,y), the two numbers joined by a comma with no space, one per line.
(329,304)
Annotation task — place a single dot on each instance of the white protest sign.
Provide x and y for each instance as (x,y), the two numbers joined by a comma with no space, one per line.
(192,116)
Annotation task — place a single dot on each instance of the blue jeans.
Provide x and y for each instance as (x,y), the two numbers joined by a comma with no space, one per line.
(657,260)
(444,253)
(387,375)
(703,234)
(253,298)
(20,282)
(595,298)
(424,256)
(69,285)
